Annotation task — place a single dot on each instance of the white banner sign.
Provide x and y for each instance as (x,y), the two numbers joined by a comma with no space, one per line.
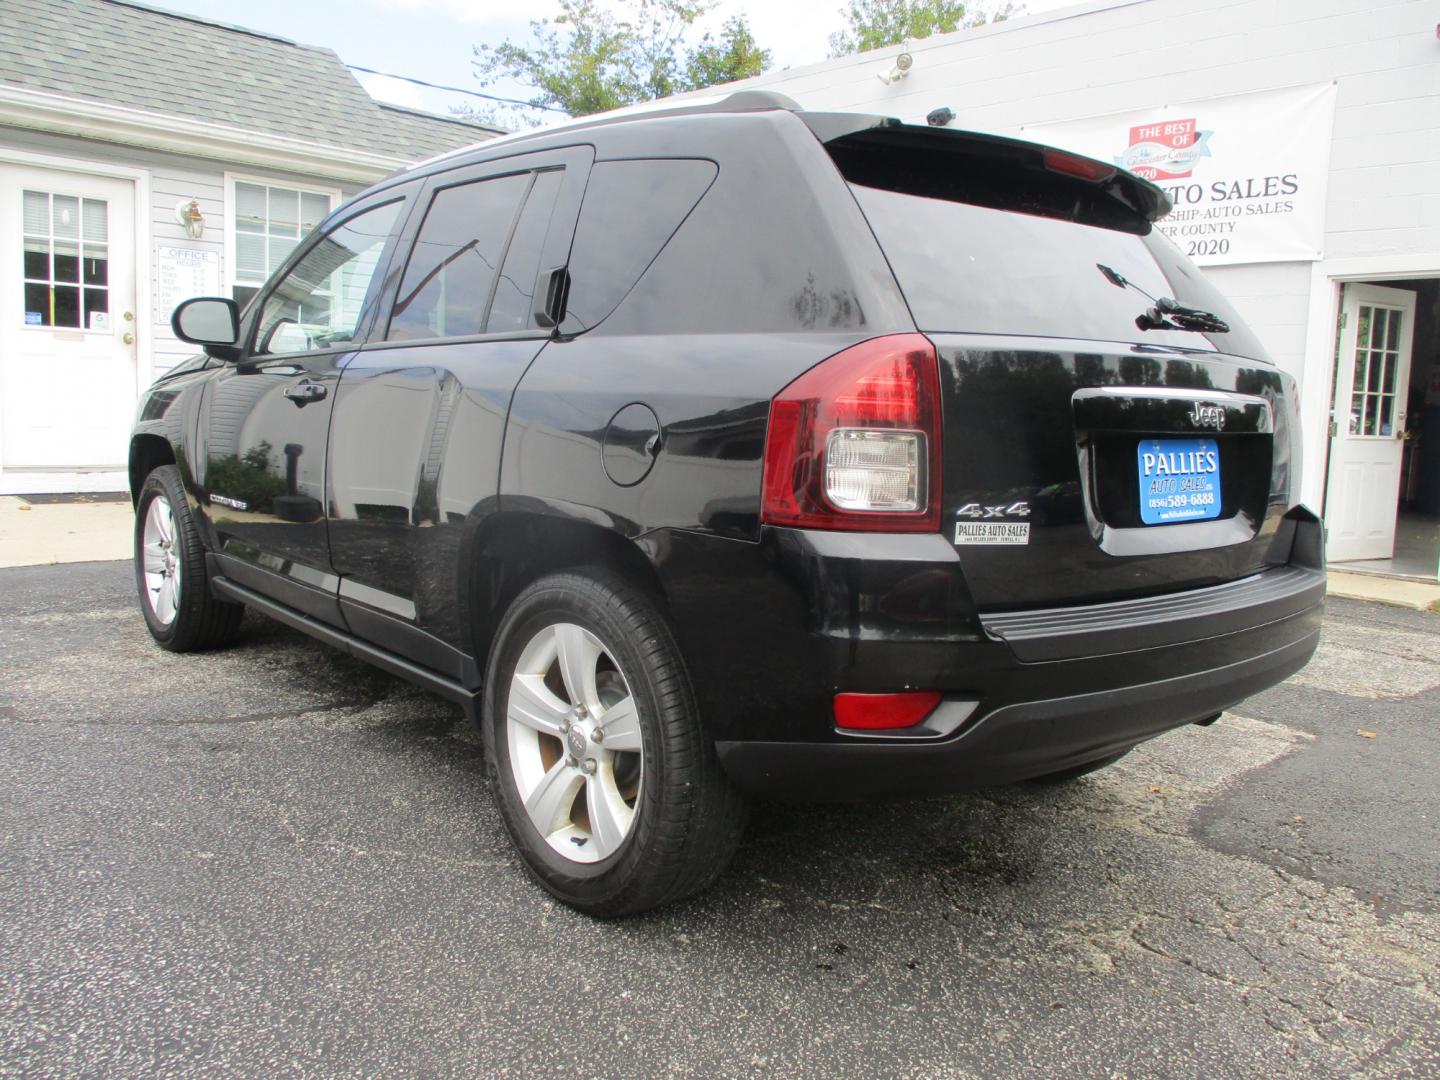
(1246,174)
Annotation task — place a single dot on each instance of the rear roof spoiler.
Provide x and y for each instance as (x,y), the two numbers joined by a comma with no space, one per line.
(847,135)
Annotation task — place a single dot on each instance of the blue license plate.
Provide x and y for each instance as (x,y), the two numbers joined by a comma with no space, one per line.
(1179,480)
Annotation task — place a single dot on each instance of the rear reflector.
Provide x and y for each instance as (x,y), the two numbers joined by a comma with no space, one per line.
(884,712)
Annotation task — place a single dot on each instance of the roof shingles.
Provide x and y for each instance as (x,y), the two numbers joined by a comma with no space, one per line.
(147,58)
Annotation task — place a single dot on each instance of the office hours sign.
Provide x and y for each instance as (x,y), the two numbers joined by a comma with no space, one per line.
(180,273)
(1246,173)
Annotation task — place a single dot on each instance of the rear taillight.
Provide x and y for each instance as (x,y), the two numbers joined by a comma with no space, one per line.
(854,443)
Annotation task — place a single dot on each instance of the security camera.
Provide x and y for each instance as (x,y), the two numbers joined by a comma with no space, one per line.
(903,63)
(940,117)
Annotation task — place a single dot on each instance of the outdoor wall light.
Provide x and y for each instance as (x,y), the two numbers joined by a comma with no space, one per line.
(187,212)
(903,63)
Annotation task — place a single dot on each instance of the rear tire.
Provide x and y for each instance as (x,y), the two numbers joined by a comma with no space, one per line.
(1064,776)
(170,572)
(607,782)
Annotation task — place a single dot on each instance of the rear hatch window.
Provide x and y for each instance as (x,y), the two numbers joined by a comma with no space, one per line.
(991,236)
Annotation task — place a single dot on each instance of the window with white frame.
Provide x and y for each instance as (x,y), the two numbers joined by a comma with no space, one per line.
(67,265)
(269,220)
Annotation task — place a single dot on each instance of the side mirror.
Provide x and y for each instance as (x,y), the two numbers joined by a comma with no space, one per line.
(212,322)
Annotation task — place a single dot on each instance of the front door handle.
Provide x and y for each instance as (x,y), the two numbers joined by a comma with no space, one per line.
(305,391)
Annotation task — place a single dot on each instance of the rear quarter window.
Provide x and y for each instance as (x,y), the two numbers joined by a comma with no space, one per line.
(630,211)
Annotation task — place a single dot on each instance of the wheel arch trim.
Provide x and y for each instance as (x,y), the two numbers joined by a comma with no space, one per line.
(511,548)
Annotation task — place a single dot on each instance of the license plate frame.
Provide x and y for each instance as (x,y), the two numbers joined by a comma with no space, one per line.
(1179,480)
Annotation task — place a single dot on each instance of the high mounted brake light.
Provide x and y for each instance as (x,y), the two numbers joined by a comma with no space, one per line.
(854,443)
(1075,165)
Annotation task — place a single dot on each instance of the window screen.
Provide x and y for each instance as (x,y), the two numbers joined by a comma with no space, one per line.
(451,272)
(631,210)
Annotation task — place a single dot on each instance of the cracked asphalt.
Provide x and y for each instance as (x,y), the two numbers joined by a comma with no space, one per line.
(272,860)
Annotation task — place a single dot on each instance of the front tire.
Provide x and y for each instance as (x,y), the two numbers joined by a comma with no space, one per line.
(170,570)
(606,781)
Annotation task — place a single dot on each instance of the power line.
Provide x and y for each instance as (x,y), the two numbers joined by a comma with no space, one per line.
(457,90)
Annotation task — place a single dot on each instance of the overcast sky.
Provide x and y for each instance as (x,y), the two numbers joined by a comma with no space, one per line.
(432,39)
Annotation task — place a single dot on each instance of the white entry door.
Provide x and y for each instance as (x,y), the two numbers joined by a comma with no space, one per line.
(67,319)
(1372,380)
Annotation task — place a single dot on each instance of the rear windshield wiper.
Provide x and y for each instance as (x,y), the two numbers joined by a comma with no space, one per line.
(1167,312)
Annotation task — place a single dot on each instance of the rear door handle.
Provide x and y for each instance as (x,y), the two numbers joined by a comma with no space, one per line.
(305,391)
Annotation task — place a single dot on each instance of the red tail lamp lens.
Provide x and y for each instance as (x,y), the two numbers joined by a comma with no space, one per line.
(854,443)
(884,712)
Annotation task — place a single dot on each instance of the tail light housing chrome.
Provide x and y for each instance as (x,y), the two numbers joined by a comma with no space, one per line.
(854,443)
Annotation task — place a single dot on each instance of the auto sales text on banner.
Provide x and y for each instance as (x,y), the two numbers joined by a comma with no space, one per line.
(1246,173)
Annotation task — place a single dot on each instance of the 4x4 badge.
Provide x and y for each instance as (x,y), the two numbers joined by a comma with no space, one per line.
(976,510)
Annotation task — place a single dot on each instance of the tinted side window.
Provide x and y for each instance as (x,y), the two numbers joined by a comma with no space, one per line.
(514,302)
(631,210)
(321,302)
(448,281)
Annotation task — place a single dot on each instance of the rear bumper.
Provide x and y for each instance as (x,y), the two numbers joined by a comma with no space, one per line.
(803,616)
(1016,741)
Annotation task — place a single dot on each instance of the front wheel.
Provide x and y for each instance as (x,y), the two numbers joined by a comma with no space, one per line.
(607,783)
(170,570)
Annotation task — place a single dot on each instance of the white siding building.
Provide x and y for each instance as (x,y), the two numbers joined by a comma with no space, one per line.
(146,156)
(1228,77)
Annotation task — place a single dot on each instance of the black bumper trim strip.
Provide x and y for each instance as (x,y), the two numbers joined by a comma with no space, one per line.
(1128,625)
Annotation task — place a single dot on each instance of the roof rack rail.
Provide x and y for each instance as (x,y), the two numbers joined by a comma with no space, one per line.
(743,100)
(738,101)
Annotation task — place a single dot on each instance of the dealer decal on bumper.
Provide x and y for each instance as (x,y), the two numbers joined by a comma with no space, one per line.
(992,532)
(986,531)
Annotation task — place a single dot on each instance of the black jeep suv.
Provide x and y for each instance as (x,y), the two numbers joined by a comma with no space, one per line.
(731,449)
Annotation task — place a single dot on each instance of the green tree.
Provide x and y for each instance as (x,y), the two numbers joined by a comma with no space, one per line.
(873,24)
(735,55)
(589,59)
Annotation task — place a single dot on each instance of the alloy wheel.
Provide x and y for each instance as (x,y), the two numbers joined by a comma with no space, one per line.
(161,561)
(575,742)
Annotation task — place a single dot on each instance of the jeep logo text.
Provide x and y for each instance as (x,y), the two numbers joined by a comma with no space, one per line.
(1207,416)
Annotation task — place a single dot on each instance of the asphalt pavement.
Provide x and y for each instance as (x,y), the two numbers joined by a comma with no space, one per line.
(273,861)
